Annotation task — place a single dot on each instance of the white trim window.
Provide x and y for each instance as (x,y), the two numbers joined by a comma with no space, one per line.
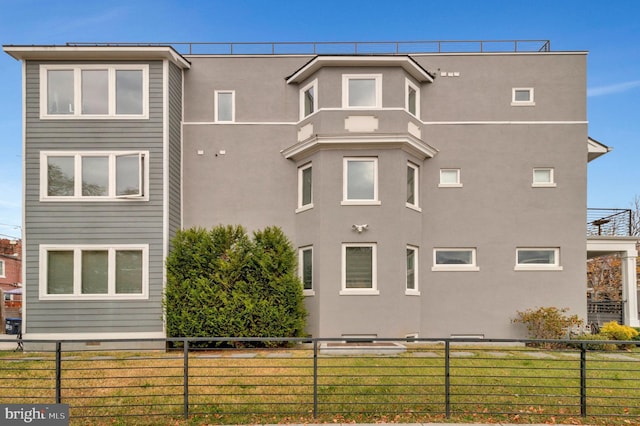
(305,187)
(360,181)
(450,178)
(94,91)
(88,272)
(362,91)
(359,269)
(305,269)
(412,98)
(543,177)
(538,259)
(2,272)
(93,175)
(412,272)
(413,186)
(522,96)
(454,259)
(225,106)
(309,99)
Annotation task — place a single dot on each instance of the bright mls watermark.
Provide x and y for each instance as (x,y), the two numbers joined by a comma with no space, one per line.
(34,414)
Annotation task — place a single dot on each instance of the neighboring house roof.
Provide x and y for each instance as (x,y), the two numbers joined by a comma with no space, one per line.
(102,53)
(596,149)
(406,62)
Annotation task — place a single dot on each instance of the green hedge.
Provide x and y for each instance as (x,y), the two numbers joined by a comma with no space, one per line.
(222,283)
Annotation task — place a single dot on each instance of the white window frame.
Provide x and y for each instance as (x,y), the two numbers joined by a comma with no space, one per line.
(301,250)
(416,187)
(302,207)
(345,182)
(373,291)
(409,84)
(313,85)
(457,184)
(77,91)
(77,271)
(550,184)
(555,266)
(530,102)
(2,269)
(472,267)
(233,106)
(345,90)
(143,183)
(415,291)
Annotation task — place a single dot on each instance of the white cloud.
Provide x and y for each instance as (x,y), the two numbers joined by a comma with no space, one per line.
(613,88)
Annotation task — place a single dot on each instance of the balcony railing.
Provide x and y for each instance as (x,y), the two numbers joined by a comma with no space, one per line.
(342,47)
(609,222)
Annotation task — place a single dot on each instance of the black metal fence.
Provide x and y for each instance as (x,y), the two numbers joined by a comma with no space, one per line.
(609,222)
(322,379)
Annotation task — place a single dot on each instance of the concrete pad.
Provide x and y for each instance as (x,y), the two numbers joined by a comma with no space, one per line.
(541,355)
(362,348)
(620,357)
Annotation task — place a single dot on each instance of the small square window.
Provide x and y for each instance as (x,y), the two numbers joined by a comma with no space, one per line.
(225,106)
(362,91)
(412,101)
(454,259)
(305,187)
(543,177)
(450,178)
(522,96)
(360,181)
(359,269)
(309,99)
(533,259)
(305,266)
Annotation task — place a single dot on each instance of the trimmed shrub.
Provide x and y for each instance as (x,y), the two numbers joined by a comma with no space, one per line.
(221,283)
(616,331)
(596,346)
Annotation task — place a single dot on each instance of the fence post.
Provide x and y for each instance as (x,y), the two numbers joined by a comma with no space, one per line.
(583,379)
(186,379)
(447,380)
(315,379)
(58,372)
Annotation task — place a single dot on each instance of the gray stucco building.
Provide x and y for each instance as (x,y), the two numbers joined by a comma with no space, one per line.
(430,194)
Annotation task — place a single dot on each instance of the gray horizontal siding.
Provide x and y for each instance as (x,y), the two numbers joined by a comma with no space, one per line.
(100,222)
(175,142)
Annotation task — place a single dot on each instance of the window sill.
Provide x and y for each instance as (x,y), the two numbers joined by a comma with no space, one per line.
(360,203)
(465,268)
(304,208)
(449,185)
(518,104)
(359,292)
(97,297)
(412,293)
(308,293)
(538,268)
(92,199)
(413,207)
(93,117)
(543,185)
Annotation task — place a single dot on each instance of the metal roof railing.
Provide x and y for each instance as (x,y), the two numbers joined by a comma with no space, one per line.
(343,47)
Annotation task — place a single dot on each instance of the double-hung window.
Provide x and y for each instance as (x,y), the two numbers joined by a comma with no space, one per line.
(93,175)
(359,269)
(305,269)
(360,180)
(412,271)
(309,99)
(362,91)
(412,99)
(94,91)
(225,106)
(536,259)
(94,272)
(454,259)
(305,187)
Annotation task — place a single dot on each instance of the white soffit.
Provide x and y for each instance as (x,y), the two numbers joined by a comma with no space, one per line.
(408,64)
(596,149)
(96,53)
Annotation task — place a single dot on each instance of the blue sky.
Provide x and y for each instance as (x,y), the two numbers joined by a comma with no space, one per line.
(609,31)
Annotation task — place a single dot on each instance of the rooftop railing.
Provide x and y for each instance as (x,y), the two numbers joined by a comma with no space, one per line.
(609,222)
(342,47)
